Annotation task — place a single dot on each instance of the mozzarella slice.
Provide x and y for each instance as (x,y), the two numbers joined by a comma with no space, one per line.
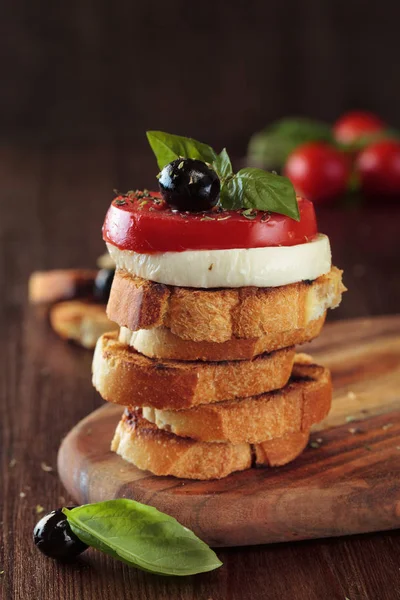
(259,267)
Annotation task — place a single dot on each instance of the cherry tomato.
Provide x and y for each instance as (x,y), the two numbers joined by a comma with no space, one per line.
(149,226)
(356,124)
(318,171)
(378,168)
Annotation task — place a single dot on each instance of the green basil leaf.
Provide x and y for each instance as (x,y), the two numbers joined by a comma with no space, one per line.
(231,193)
(271,147)
(222,165)
(141,536)
(255,188)
(168,147)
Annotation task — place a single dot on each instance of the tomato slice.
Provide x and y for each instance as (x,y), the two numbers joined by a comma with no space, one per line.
(145,224)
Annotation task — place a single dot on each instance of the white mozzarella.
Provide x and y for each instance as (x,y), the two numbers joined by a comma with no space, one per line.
(259,267)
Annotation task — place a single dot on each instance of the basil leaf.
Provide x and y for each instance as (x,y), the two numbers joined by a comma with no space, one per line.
(141,536)
(222,165)
(231,193)
(168,147)
(255,188)
(271,147)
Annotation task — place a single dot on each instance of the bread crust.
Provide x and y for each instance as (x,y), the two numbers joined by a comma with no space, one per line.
(305,400)
(60,284)
(148,448)
(123,376)
(160,342)
(221,314)
(81,322)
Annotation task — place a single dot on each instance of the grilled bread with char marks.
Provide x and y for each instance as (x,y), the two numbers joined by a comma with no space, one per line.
(221,314)
(148,448)
(304,401)
(123,376)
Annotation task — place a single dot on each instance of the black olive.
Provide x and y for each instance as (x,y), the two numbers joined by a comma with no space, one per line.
(189,185)
(102,285)
(55,538)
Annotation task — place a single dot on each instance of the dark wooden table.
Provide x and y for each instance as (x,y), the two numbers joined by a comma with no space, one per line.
(52,201)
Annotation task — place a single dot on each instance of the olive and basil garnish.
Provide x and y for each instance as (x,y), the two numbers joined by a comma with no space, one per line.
(137,534)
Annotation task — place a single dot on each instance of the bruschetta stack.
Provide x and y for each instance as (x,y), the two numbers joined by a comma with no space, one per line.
(211,302)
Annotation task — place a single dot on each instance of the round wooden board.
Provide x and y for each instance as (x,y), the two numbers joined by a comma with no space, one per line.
(349,484)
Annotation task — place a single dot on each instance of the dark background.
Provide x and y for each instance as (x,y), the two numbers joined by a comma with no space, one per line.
(215,70)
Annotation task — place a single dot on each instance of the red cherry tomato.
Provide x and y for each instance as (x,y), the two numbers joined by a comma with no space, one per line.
(355,124)
(378,168)
(318,171)
(149,226)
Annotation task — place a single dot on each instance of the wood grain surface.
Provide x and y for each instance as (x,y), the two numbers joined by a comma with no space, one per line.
(53,200)
(343,486)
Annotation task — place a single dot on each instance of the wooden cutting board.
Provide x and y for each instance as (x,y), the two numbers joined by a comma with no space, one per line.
(347,481)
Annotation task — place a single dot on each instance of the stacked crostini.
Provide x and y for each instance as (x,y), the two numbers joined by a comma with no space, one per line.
(211,298)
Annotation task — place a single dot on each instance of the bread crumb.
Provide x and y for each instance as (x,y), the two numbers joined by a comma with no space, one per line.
(45,467)
(314,444)
(350,419)
(351,395)
(39,509)
(354,430)
(12,463)
(22,495)
(387,426)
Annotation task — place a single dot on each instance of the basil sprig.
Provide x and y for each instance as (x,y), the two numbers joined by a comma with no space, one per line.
(248,189)
(142,537)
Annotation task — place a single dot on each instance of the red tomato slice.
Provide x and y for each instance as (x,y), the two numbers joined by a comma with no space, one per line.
(147,225)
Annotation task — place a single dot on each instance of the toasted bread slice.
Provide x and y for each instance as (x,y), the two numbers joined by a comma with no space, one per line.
(148,448)
(124,376)
(160,342)
(81,322)
(61,284)
(305,400)
(221,314)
